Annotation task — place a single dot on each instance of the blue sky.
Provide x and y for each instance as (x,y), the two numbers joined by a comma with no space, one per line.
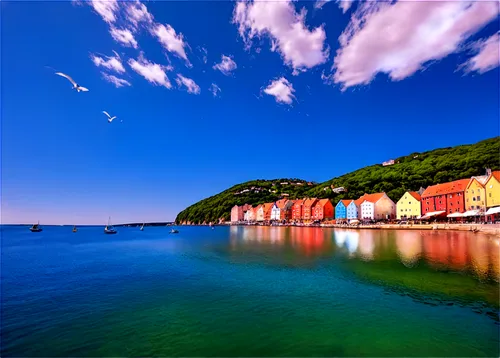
(309,94)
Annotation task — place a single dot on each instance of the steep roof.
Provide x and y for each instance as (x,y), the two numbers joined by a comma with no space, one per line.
(257,208)
(446,188)
(496,175)
(346,202)
(310,202)
(298,202)
(322,202)
(415,195)
(281,203)
(268,207)
(480,179)
(360,200)
(373,198)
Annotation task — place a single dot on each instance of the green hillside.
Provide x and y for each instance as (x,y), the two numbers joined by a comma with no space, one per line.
(408,173)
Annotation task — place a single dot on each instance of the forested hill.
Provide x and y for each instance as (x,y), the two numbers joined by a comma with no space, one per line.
(410,172)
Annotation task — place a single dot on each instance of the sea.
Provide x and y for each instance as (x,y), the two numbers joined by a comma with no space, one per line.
(248,292)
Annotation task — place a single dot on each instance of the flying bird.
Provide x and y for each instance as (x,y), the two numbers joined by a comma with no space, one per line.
(110,119)
(77,87)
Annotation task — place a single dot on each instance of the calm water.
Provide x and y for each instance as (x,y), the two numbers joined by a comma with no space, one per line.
(253,291)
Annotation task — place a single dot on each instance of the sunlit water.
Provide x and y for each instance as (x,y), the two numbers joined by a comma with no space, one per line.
(248,291)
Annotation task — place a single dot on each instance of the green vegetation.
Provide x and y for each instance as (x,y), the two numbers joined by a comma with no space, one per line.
(410,172)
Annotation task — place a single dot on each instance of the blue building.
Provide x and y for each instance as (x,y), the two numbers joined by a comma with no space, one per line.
(341,210)
(352,210)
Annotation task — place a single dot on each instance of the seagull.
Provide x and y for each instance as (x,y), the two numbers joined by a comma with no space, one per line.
(110,119)
(75,85)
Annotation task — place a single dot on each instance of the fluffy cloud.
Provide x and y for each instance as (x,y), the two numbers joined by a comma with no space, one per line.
(190,85)
(118,82)
(111,63)
(152,72)
(345,5)
(226,66)
(106,8)
(300,47)
(214,89)
(170,40)
(282,90)
(138,13)
(488,56)
(398,39)
(123,36)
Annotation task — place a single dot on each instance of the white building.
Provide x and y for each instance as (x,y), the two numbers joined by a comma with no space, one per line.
(249,215)
(377,207)
(275,212)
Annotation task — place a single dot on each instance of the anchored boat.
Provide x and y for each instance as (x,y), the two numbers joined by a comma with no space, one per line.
(109,229)
(36,228)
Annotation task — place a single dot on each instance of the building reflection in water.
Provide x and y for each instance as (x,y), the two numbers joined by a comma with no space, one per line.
(348,239)
(366,244)
(409,246)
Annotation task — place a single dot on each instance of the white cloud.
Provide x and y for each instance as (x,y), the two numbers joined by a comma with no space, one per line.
(488,56)
(106,8)
(118,82)
(215,89)
(152,72)
(138,13)
(123,36)
(170,40)
(399,39)
(204,51)
(190,85)
(345,4)
(111,63)
(226,66)
(300,47)
(282,90)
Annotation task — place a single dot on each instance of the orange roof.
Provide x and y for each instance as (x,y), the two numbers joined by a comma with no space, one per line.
(281,203)
(373,198)
(446,188)
(496,175)
(415,195)
(310,202)
(256,208)
(298,202)
(268,207)
(359,201)
(322,202)
(346,202)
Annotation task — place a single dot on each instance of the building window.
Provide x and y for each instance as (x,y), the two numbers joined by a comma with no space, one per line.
(490,195)
(478,198)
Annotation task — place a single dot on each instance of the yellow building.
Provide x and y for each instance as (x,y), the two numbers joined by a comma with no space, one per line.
(475,194)
(408,207)
(492,188)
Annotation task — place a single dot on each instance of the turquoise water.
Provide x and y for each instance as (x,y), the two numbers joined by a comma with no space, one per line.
(248,291)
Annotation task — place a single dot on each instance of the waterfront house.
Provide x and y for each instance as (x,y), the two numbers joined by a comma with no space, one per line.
(275,212)
(267,207)
(259,213)
(322,209)
(297,209)
(249,214)
(409,207)
(307,208)
(237,214)
(445,197)
(475,194)
(492,189)
(285,207)
(341,210)
(377,206)
(352,210)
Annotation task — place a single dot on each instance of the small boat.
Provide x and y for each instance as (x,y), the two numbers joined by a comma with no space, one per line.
(36,228)
(142,227)
(74,229)
(174,231)
(109,229)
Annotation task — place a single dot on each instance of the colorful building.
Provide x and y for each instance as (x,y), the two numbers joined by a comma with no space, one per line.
(475,194)
(492,190)
(249,214)
(352,210)
(267,207)
(307,208)
(322,209)
(341,210)
(259,213)
(447,197)
(237,214)
(285,206)
(377,206)
(297,209)
(409,207)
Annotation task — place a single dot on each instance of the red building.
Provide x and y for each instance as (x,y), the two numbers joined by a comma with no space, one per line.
(267,211)
(448,197)
(297,209)
(285,207)
(307,208)
(323,209)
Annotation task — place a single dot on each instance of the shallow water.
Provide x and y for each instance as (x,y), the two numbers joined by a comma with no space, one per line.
(248,291)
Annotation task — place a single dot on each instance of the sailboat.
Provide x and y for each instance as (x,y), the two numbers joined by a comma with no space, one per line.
(109,229)
(36,227)
(74,229)
(142,227)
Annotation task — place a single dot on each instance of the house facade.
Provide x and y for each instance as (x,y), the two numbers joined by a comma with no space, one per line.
(492,190)
(352,211)
(322,209)
(297,209)
(341,209)
(377,206)
(237,214)
(259,213)
(307,208)
(448,197)
(275,212)
(475,194)
(409,206)
(267,207)
(285,206)
(249,215)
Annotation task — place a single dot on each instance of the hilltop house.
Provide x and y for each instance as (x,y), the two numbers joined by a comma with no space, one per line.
(408,207)
(377,207)
(444,198)
(341,210)
(307,208)
(297,209)
(322,209)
